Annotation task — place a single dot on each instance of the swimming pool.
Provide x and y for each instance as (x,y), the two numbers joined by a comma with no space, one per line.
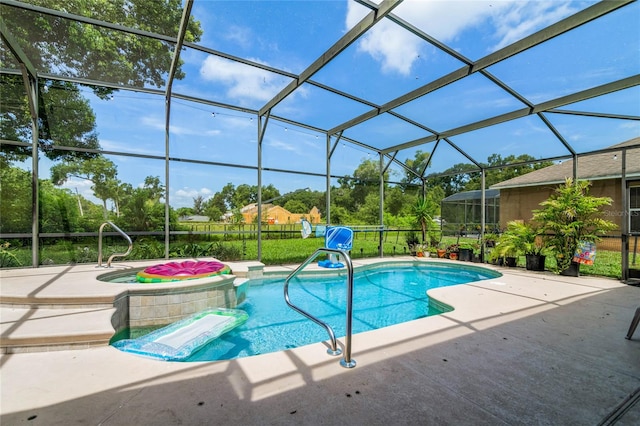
(382,296)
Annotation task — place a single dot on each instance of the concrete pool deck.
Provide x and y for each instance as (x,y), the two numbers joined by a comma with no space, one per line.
(525,348)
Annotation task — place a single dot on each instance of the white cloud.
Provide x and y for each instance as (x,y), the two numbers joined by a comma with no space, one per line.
(243,82)
(192,192)
(183,197)
(82,187)
(396,50)
(523,18)
(240,35)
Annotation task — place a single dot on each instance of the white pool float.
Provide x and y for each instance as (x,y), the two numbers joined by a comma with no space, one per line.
(177,341)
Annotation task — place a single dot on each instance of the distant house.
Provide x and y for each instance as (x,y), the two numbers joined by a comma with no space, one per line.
(194,218)
(278,215)
(523,194)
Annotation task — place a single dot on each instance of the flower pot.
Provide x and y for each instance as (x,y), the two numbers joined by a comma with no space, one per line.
(441,253)
(535,262)
(511,261)
(453,255)
(419,254)
(572,271)
(465,254)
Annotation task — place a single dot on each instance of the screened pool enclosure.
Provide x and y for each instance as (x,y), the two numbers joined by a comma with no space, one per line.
(463,213)
(134,109)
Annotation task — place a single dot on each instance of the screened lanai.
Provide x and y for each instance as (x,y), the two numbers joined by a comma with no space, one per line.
(462,213)
(184,97)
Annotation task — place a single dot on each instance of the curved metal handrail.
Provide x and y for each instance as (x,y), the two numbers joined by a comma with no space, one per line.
(346,361)
(121,232)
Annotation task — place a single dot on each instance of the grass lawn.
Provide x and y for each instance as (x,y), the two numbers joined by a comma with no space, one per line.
(296,250)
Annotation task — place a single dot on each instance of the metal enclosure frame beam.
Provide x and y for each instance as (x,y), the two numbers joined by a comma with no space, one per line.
(30,79)
(175,60)
(345,41)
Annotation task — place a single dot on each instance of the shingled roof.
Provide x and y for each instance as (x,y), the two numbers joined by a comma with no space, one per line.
(592,167)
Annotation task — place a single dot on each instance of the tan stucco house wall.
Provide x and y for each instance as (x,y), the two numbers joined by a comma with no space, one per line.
(523,194)
(519,203)
(278,214)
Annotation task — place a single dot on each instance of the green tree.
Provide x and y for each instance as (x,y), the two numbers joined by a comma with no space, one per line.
(369,212)
(305,196)
(15,200)
(466,177)
(214,213)
(226,194)
(296,206)
(268,192)
(215,207)
(500,169)
(248,194)
(88,51)
(153,188)
(198,205)
(366,179)
(118,190)
(417,166)
(101,171)
(341,197)
(59,210)
(395,200)
(244,194)
(142,209)
(184,211)
(340,215)
(454,179)
(65,118)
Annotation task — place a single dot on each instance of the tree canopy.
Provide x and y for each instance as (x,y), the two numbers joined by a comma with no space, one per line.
(86,51)
(92,52)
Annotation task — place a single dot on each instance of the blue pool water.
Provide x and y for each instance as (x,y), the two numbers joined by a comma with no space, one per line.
(382,296)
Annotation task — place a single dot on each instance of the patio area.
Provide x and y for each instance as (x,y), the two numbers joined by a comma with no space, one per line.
(525,348)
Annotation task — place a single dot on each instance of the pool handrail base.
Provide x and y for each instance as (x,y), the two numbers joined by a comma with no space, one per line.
(346,362)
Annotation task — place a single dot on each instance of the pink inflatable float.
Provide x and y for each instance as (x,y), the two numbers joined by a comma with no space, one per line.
(177,271)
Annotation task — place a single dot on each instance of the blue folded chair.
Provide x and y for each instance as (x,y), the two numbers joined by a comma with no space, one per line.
(338,238)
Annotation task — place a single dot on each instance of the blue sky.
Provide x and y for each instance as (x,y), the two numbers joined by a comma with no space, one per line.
(382,65)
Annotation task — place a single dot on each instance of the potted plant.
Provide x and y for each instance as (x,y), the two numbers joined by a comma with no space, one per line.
(412,242)
(508,248)
(441,251)
(570,216)
(465,252)
(528,239)
(490,239)
(453,251)
(534,257)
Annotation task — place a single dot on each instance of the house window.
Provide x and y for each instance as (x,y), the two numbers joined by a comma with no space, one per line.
(634,209)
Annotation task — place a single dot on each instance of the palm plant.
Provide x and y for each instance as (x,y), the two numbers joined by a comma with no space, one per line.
(526,238)
(421,210)
(570,215)
(508,245)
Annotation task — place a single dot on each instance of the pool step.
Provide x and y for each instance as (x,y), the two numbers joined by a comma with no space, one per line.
(41,329)
(55,301)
